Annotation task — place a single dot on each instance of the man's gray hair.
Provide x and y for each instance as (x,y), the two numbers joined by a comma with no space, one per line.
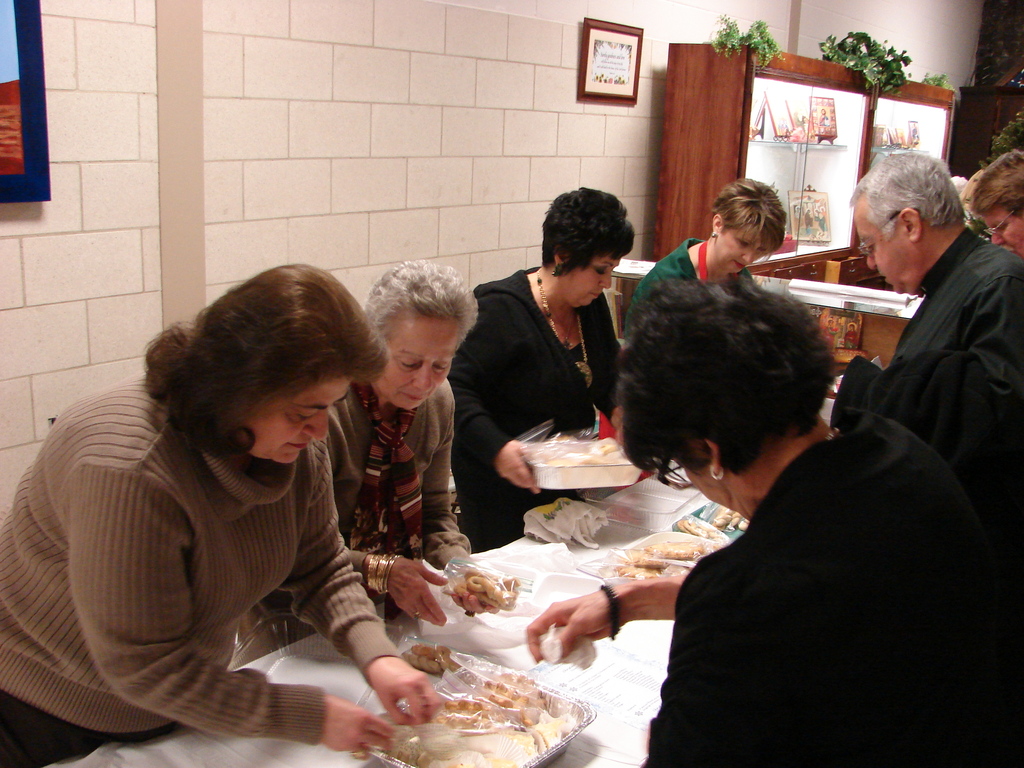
(420,288)
(913,181)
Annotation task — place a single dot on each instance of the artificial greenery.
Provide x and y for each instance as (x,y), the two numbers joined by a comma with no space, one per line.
(882,67)
(939,79)
(729,40)
(1011,137)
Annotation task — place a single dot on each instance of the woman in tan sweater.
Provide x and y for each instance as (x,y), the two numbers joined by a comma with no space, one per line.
(159,511)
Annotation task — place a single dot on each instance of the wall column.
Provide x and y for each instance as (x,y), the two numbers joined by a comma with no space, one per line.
(179,69)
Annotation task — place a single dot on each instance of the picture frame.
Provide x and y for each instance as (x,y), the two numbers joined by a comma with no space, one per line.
(808,214)
(798,121)
(823,119)
(841,327)
(24,145)
(913,134)
(879,136)
(609,67)
(759,120)
(782,121)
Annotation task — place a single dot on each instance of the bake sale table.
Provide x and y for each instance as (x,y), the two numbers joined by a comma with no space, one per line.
(622,685)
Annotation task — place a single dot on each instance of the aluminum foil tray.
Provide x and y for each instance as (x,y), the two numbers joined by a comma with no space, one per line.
(580,710)
(585,476)
(570,463)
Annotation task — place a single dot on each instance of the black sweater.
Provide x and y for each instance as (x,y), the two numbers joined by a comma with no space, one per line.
(511,374)
(852,625)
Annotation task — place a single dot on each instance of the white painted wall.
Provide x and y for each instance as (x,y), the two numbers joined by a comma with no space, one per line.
(349,134)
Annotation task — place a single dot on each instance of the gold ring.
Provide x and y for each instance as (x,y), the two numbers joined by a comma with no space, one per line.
(416,615)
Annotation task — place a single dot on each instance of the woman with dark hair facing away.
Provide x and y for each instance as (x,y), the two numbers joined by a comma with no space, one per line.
(748,223)
(160,510)
(543,348)
(391,440)
(840,629)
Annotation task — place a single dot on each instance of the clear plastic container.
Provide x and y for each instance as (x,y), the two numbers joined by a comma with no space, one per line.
(649,505)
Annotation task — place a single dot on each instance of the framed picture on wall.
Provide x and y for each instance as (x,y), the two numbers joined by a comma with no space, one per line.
(609,69)
(808,214)
(24,149)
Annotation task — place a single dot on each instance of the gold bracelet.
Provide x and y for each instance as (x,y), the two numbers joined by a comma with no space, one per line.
(387,562)
(370,563)
(377,571)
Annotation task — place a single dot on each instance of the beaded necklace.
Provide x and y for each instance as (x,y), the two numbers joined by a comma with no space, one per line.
(583,366)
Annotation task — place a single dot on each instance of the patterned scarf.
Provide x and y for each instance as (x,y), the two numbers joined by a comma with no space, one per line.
(389,518)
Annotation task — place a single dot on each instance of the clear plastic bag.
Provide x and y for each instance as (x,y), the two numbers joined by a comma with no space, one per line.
(621,565)
(491,587)
(695,526)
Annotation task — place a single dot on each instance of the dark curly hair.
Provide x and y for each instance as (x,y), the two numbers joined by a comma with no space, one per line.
(583,224)
(728,363)
(282,331)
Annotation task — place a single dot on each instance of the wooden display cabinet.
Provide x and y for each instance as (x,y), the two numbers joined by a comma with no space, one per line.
(726,118)
(983,112)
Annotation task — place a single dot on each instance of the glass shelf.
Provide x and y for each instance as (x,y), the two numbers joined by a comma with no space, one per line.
(801,146)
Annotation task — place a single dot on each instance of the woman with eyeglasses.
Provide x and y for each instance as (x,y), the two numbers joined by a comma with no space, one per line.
(390,440)
(998,198)
(853,623)
(160,510)
(748,223)
(543,348)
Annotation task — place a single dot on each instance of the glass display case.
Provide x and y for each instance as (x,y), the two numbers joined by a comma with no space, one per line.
(810,128)
(902,126)
(806,142)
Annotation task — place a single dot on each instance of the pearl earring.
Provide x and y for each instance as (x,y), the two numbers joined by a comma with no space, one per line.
(714,234)
(717,473)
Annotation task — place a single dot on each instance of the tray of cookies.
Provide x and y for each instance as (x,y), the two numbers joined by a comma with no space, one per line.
(656,556)
(563,462)
(491,717)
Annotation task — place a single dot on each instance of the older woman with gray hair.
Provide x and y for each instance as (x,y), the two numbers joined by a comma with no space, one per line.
(390,440)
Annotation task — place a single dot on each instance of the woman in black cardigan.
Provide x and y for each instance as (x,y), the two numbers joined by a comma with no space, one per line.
(543,348)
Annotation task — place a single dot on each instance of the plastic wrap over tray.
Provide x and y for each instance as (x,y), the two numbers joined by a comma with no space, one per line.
(562,464)
(581,712)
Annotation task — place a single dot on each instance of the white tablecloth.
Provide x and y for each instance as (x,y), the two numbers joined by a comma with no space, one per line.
(607,743)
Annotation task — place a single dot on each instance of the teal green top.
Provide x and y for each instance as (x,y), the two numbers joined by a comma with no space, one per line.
(675,266)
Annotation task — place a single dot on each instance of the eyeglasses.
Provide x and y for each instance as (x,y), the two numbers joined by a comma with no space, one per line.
(866,248)
(989,231)
(674,476)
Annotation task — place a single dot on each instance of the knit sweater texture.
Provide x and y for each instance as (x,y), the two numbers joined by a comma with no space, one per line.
(128,557)
(430,439)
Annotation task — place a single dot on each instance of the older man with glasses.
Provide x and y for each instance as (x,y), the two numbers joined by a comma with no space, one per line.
(998,198)
(957,376)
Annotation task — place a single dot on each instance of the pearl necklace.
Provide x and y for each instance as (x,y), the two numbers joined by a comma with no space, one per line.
(583,365)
